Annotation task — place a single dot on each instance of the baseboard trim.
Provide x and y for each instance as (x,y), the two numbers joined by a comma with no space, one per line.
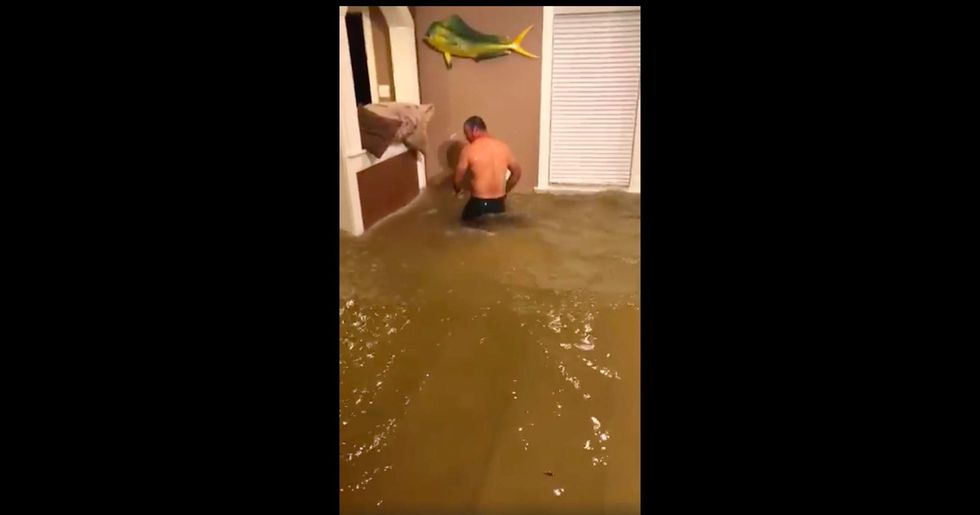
(561,189)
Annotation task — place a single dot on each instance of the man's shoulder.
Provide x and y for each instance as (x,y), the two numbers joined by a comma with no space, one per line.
(499,143)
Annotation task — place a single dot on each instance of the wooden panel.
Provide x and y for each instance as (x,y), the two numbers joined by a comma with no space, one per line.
(387,187)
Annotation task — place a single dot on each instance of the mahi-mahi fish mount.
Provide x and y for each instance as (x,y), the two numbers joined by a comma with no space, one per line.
(453,36)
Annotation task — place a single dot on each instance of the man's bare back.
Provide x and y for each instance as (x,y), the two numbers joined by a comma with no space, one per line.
(488,159)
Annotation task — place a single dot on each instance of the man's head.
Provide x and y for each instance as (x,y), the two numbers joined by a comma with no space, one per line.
(473,127)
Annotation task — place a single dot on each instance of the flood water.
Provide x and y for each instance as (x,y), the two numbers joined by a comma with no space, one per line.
(493,372)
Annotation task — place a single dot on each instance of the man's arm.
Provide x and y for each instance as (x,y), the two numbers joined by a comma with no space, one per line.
(461,167)
(515,171)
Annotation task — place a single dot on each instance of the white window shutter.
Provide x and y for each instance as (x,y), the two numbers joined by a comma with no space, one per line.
(595,84)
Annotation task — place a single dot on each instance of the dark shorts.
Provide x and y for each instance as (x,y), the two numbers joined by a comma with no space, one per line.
(477,207)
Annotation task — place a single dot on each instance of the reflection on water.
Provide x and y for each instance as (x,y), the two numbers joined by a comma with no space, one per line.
(496,369)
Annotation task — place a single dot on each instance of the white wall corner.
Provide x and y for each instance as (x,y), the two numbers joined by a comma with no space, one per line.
(544,124)
(369,51)
(351,219)
(350,139)
(635,166)
(404,64)
(404,57)
(350,128)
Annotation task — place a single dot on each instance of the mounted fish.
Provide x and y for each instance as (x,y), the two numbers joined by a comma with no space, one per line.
(453,36)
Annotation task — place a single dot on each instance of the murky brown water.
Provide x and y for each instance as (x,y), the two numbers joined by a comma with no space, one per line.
(494,373)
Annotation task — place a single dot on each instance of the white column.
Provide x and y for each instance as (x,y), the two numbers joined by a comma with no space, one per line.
(369,50)
(348,100)
(350,138)
(404,64)
(544,142)
(635,166)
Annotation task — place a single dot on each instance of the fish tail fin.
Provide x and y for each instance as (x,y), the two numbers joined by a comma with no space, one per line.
(516,44)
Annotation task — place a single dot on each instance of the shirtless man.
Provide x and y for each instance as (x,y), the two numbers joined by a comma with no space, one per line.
(489,159)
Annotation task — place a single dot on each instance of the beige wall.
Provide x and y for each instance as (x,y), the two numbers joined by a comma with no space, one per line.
(505,91)
(382,50)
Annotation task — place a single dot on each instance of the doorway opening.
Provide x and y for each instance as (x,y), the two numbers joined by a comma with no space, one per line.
(358,58)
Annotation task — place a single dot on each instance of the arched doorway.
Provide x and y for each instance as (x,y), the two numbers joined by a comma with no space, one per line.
(405,78)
